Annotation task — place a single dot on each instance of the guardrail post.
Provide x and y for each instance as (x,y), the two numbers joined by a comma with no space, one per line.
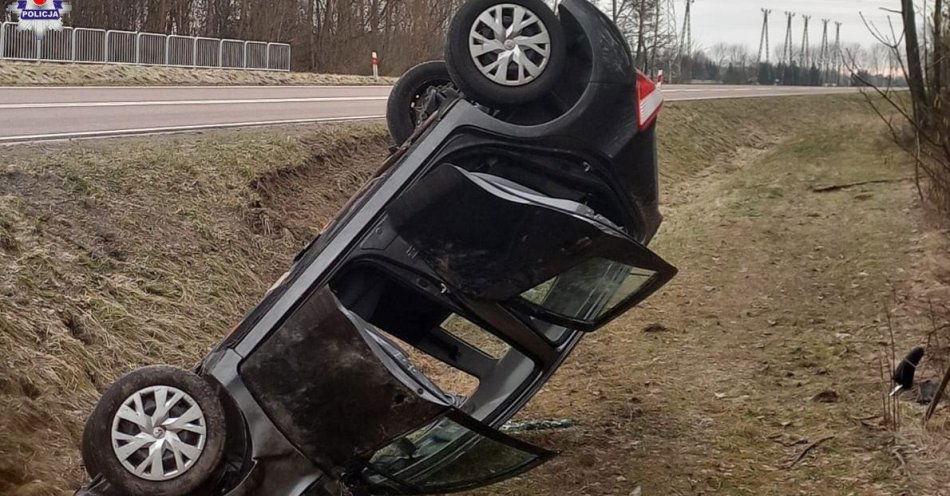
(220,53)
(39,48)
(106,58)
(3,36)
(244,61)
(267,56)
(168,39)
(194,58)
(75,44)
(138,37)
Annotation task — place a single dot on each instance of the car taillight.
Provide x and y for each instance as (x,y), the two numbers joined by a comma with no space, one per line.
(650,99)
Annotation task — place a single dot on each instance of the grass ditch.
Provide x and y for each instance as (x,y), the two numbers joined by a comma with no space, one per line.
(121,253)
(48,74)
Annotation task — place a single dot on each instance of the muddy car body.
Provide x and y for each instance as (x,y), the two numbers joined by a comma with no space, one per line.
(527,226)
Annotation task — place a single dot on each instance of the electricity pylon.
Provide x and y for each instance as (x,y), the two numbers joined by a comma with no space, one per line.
(806,50)
(686,41)
(666,36)
(838,56)
(686,37)
(824,53)
(788,52)
(764,39)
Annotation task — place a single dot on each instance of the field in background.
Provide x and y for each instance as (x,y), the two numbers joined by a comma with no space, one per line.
(50,74)
(120,253)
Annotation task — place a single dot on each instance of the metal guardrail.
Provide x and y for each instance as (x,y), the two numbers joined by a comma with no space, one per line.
(100,46)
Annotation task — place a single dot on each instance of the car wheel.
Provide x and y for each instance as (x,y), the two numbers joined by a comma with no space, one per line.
(416,96)
(158,431)
(505,52)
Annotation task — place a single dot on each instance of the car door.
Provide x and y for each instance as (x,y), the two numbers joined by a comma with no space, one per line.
(454,453)
(554,259)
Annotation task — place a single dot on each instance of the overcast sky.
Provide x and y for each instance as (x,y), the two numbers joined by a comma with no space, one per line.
(740,21)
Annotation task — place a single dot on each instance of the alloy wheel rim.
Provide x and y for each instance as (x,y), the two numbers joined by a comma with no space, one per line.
(158,433)
(510,44)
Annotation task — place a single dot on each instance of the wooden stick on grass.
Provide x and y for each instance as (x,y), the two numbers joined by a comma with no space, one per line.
(937,397)
(884,387)
(807,449)
(893,365)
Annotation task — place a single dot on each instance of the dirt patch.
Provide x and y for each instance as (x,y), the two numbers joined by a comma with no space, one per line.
(48,74)
(287,198)
(121,253)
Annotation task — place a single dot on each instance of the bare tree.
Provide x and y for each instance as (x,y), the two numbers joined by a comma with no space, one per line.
(922,127)
(648,28)
(915,71)
(327,35)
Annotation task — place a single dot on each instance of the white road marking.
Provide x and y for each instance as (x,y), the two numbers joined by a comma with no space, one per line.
(730,97)
(321,99)
(9,140)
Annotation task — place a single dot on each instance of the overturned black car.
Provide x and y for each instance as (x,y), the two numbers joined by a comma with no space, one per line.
(512,220)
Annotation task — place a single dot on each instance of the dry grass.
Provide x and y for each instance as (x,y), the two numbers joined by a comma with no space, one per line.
(127,252)
(49,74)
(781,297)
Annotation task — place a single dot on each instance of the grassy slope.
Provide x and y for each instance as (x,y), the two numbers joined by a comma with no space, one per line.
(120,253)
(49,74)
(124,253)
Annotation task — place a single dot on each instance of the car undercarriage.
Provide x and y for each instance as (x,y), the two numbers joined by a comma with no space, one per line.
(510,221)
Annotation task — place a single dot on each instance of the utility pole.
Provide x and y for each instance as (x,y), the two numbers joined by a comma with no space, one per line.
(764,39)
(823,53)
(806,50)
(837,55)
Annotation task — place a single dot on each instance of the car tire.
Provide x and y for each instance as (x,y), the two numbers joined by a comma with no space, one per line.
(402,112)
(534,67)
(129,415)
(88,449)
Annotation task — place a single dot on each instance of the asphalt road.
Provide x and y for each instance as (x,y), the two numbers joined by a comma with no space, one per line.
(44,113)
